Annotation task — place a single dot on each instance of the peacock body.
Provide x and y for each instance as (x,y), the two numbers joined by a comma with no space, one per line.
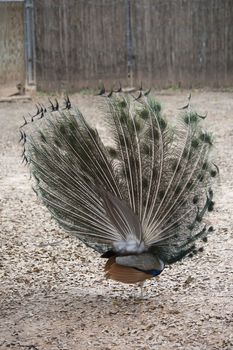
(140,202)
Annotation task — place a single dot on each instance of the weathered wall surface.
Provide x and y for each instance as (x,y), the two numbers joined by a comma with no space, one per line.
(183,42)
(12,63)
(163,43)
(80,43)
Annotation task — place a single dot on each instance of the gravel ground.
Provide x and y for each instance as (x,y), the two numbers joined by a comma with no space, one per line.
(53,293)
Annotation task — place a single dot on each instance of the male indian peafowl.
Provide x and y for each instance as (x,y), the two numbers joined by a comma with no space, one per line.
(139,202)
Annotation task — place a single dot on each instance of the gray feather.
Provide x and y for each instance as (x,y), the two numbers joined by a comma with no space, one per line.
(145,261)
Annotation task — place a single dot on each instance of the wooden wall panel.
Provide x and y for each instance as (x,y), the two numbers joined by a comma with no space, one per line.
(183,42)
(12,62)
(80,43)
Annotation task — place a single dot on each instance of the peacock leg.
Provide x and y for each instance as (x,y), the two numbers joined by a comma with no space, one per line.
(141,284)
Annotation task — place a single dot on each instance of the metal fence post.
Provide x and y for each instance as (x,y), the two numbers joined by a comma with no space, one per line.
(129,43)
(30,42)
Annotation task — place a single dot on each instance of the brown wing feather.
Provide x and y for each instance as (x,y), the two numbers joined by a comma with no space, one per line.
(124,274)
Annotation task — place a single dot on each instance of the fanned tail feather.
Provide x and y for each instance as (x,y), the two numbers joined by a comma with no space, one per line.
(147,192)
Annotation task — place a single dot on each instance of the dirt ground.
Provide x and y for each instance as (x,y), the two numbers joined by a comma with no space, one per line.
(53,293)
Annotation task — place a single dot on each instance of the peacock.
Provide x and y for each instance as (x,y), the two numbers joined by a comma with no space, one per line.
(138,200)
